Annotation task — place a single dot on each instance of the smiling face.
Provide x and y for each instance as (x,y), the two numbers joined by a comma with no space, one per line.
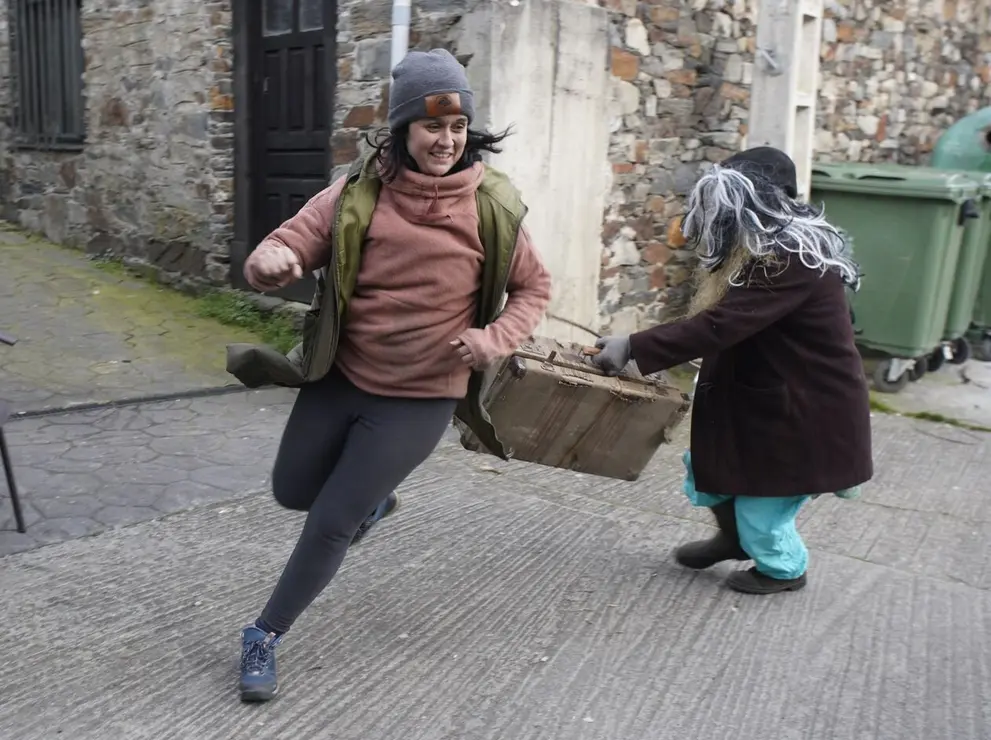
(437,144)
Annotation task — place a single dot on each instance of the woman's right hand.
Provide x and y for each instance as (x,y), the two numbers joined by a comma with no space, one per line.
(272,266)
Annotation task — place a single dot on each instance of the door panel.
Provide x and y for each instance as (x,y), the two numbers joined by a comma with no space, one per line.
(291,135)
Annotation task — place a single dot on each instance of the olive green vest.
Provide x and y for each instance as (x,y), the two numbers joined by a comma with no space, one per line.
(500,214)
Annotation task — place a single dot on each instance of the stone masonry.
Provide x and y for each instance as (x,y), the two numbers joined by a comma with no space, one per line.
(681,74)
(897,74)
(894,75)
(154,181)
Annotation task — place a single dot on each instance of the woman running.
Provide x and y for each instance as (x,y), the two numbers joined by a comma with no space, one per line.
(440,234)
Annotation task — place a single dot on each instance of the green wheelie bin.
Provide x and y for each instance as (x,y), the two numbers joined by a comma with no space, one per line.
(970,266)
(970,272)
(966,145)
(907,225)
(980,337)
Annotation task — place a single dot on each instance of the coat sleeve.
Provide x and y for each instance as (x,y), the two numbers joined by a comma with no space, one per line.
(766,298)
(307,233)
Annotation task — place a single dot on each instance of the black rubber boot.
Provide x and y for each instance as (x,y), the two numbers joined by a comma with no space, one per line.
(754,582)
(724,546)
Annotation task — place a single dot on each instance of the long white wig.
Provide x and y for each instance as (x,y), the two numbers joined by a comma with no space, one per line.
(737,219)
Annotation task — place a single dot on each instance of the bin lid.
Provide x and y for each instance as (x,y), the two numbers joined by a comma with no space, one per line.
(981,179)
(893,179)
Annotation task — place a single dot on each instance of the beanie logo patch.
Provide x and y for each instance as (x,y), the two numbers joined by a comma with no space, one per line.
(443,104)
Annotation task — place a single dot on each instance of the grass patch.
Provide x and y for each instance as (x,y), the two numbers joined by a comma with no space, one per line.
(883,408)
(940,419)
(228,307)
(112,267)
(236,309)
(682,377)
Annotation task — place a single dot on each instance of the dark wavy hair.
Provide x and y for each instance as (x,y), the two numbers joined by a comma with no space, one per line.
(390,149)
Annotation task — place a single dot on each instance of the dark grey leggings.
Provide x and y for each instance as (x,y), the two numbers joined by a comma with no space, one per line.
(343,451)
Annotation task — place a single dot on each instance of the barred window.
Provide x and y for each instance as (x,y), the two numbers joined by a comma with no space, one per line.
(47,63)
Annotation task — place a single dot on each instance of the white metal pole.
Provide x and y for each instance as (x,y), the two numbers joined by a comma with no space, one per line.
(401,13)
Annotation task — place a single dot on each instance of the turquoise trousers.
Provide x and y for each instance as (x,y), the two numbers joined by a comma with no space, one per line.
(766,526)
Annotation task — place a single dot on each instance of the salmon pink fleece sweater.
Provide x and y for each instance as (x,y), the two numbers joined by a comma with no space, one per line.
(418,285)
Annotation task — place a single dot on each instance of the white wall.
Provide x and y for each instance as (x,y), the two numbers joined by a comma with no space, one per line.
(542,66)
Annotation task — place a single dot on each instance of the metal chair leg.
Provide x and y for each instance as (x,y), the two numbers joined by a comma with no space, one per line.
(8,469)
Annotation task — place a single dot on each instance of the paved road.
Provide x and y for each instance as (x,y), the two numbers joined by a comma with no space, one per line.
(509,600)
(955,392)
(82,472)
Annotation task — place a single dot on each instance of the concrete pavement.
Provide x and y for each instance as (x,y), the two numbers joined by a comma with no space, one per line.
(961,392)
(503,601)
(512,601)
(89,336)
(81,473)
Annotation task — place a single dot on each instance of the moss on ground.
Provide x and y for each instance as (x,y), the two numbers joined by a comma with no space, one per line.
(236,309)
(134,304)
(883,408)
(229,307)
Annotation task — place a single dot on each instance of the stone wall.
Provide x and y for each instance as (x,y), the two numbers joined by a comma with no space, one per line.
(681,74)
(154,181)
(895,74)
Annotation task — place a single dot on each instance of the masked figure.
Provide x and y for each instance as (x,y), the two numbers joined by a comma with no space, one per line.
(781,410)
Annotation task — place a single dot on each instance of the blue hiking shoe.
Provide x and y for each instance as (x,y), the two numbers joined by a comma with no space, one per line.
(383,510)
(258,675)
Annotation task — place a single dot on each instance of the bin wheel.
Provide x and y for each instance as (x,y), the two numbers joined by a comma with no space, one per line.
(936,360)
(982,349)
(919,369)
(961,351)
(884,385)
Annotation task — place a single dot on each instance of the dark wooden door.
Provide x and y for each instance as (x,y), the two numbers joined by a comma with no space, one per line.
(292,113)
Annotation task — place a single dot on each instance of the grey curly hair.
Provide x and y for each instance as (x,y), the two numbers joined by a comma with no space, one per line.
(728,210)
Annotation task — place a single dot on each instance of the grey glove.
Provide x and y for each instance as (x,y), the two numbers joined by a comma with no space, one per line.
(614,354)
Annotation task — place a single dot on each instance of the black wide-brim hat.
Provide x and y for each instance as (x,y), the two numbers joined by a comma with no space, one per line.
(769,163)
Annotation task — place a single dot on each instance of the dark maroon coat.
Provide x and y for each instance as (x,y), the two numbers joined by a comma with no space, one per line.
(782,406)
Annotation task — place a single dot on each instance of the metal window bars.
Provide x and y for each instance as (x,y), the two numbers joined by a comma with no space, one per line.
(47,58)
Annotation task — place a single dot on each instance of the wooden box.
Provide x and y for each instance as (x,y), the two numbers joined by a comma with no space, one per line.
(550,406)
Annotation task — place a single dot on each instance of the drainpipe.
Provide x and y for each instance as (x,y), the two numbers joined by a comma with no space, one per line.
(401,12)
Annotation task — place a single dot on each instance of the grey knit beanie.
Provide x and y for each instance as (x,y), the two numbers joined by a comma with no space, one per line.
(428,84)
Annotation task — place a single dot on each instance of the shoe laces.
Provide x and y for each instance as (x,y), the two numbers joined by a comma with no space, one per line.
(258,654)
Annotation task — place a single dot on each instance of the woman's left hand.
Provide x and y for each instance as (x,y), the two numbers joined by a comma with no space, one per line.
(475,349)
(464,352)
